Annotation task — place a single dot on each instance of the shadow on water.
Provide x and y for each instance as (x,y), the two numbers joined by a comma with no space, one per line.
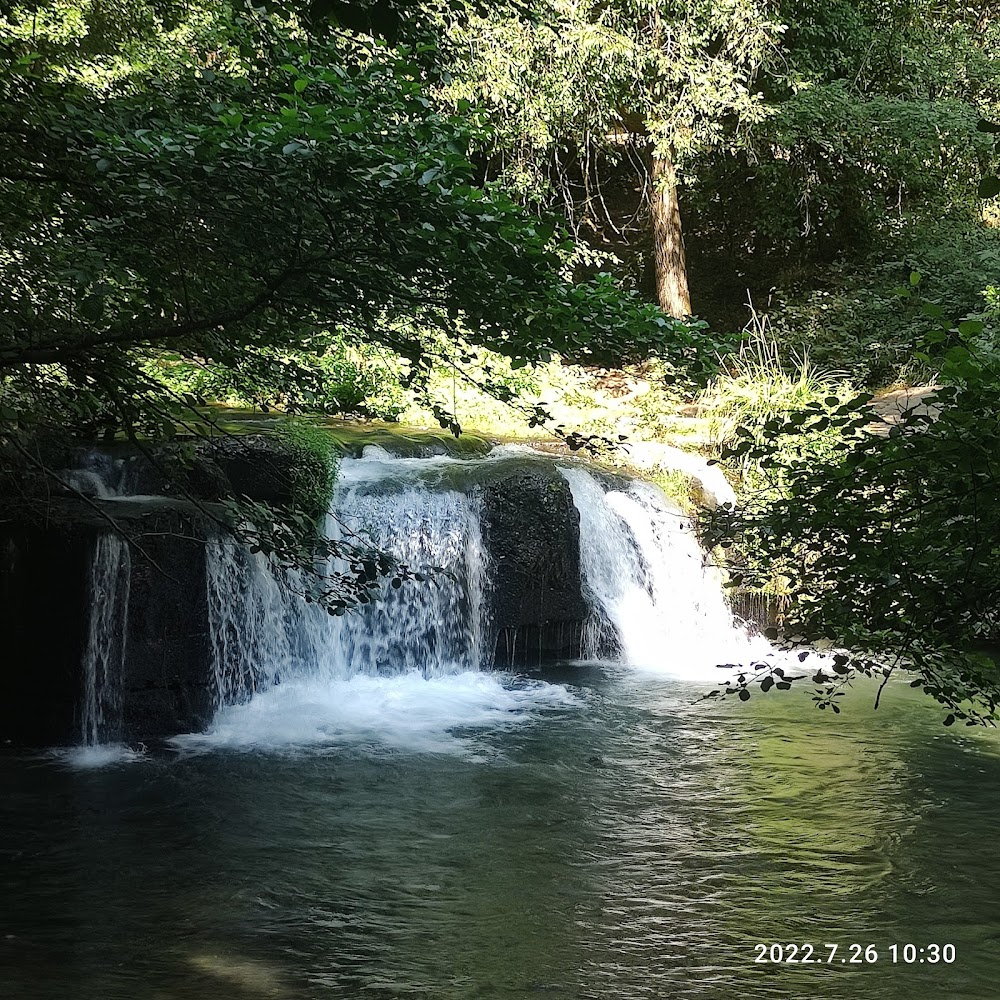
(631,843)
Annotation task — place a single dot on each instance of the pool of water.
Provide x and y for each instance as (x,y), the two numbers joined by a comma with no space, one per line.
(605,836)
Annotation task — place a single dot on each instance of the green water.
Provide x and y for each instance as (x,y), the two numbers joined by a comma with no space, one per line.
(630,845)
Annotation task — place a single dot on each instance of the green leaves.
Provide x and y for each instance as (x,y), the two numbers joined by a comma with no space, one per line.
(888,545)
(234,218)
(92,308)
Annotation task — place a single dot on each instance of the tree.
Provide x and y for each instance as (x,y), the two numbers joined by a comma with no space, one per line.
(872,112)
(589,86)
(249,203)
(228,188)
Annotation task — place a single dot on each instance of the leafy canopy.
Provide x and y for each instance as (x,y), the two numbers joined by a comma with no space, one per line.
(265,191)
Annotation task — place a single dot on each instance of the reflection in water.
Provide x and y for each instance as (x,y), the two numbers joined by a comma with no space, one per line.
(626,842)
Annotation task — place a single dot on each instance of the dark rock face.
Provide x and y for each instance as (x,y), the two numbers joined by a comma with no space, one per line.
(255,467)
(44,607)
(45,612)
(532,532)
(167,663)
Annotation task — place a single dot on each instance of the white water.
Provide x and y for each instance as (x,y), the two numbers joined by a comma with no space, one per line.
(411,669)
(406,711)
(109,585)
(405,670)
(652,594)
(103,476)
(264,633)
(95,757)
(97,474)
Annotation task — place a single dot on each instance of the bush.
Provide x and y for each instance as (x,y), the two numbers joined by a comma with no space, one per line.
(854,320)
(760,386)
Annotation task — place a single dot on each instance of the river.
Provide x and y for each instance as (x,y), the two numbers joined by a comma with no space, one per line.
(593,833)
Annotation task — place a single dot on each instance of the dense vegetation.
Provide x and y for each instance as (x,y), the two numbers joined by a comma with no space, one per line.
(334,207)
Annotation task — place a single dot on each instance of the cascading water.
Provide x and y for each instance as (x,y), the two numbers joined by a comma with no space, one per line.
(407,667)
(413,664)
(97,474)
(654,601)
(263,632)
(109,585)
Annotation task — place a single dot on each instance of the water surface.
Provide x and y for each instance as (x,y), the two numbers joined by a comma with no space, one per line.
(603,836)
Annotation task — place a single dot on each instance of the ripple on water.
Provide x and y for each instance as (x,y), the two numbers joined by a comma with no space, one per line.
(619,840)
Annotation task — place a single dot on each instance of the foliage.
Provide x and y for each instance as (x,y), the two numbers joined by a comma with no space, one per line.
(356,378)
(309,188)
(250,198)
(880,110)
(576,96)
(758,387)
(890,545)
(678,487)
(858,314)
(315,469)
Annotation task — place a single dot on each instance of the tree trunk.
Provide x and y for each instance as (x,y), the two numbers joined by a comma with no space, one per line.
(669,263)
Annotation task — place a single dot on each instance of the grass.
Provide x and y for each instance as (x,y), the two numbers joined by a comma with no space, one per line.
(759,386)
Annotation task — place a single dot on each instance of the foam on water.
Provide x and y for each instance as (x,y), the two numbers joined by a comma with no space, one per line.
(405,711)
(95,756)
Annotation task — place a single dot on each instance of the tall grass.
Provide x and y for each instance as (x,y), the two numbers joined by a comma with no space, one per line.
(759,385)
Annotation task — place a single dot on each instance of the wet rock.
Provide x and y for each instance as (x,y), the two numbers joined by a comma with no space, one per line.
(257,467)
(45,614)
(532,532)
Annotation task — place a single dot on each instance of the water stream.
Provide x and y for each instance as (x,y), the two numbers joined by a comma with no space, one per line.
(655,597)
(620,842)
(108,591)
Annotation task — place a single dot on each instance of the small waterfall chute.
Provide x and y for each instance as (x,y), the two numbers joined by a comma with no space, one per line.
(656,604)
(263,631)
(109,587)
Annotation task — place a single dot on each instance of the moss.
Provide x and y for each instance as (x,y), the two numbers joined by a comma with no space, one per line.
(678,487)
(315,467)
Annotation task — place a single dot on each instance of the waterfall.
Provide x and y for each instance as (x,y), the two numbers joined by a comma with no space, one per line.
(655,603)
(414,662)
(97,474)
(109,585)
(263,632)
(100,475)
(407,669)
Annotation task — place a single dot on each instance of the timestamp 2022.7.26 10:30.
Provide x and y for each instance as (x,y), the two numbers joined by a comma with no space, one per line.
(854,954)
